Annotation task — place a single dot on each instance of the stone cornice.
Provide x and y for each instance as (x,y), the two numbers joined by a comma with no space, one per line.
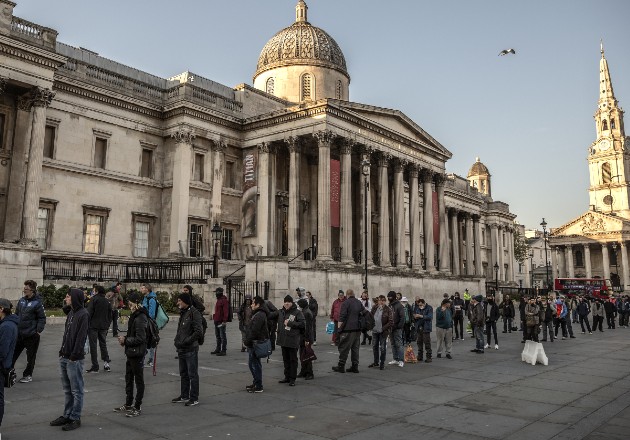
(32,54)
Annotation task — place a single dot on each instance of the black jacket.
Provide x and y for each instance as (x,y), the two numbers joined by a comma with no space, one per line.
(272,315)
(100,311)
(189,330)
(290,338)
(76,330)
(507,309)
(257,329)
(610,308)
(308,326)
(462,306)
(349,315)
(494,311)
(313,306)
(399,314)
(136,339)
(31,314)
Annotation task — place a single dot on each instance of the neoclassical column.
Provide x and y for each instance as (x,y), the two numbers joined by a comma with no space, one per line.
(264,196)
(273,200)
(511,258)
(40,100)
(587,261)
(569,256)
(562,264)
(399,212)
(456,269)
(554,264)
(414,219)
(470,268)
(182,161)
(427,198)
(606,261)
(501,253)
(17,179)
(324,139)
(366,211)
(624,265)
(293,215)
(440,179)
(383,224)
(477,247)
(346,201)
(494,230)
(218,175)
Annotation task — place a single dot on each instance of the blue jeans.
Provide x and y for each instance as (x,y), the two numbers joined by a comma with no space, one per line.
(72,383)
(188,372)
(219,332)
(255,366)
(397,345)
(379,347)
(478,331)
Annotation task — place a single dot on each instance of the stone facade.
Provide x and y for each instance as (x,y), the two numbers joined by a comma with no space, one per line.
(105,161)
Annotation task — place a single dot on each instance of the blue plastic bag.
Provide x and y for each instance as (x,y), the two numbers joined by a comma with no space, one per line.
(330,328)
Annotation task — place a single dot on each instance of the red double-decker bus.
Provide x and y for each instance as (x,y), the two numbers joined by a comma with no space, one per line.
(591,287)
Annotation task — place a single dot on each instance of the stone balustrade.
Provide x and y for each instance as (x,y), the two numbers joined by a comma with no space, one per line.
(34,33)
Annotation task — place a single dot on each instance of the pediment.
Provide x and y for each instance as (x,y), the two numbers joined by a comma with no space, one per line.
(593,223)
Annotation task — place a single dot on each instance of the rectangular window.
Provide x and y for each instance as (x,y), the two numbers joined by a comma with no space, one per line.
(49,141)
(146,167)
(43,214)
(2,119)
(230,178)
(226,244)
(93,234)
(198,172)
(100,153)
(141,240)
(483,238)
(195,239)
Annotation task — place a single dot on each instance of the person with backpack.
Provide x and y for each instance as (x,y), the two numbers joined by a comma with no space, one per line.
(444,328)
(244,318)
(221,317)
(272,321)
(257,330)
(135,346)
(584,309)
(349,329)
(150,303)
(189,331)
(314,307)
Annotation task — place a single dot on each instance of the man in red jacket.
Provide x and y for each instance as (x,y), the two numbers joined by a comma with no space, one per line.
(334,313)
(220,318)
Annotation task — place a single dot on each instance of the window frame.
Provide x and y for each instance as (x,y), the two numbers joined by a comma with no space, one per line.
(151,219)
(227,255)
(98,134)
(311,95)
(51,206)
(100,211)
(203,224)
(54,124)
(199,160)
(152,149)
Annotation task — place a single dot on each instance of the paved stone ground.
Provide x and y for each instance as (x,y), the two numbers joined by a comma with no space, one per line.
(583,394)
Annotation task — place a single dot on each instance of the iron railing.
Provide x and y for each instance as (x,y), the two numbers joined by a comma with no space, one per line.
(236,291)
(357,255)
(179,272)
(336,254)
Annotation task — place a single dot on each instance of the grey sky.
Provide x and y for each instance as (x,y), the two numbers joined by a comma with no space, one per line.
(529,116)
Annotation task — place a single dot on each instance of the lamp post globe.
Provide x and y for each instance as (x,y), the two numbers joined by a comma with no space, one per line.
(365,170)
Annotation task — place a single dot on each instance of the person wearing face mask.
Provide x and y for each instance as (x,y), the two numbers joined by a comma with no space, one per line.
(458,308)
(491,315)
(506,309)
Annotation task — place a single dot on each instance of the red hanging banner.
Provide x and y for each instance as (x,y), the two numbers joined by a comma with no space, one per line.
(436,219)
(335,193)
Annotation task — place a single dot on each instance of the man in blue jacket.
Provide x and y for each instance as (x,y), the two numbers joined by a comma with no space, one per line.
(150,303)
(8,338)
(423,314)
(30,312)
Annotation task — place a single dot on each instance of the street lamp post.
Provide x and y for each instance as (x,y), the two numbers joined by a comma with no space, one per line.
(544,226)
(531,266)
(365,169)
(496,278)
(614,248)
(216,238)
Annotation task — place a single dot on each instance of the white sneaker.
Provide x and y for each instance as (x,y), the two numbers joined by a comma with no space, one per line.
(496,346)
(486,346)
(401,364)
(26,379)
(314,344)
(392,362)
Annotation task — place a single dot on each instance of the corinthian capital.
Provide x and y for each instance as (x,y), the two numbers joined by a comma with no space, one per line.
(3,84)
(293,144)
(219,146)
(24,103)
(324,137)
(41,97)
(183,135)
(439,179)
(264,147)
(426,175)
(347,146)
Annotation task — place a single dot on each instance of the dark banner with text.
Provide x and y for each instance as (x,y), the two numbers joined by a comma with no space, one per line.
(249,202)
(436,219)
(335,193)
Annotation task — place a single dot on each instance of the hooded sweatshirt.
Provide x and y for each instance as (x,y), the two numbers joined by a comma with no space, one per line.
(8,337)
(75,333)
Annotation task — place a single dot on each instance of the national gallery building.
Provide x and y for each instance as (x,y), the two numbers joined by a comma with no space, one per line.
(287,180)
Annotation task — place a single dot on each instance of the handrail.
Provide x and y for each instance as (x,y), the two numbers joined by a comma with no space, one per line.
(226,277)
(301,254)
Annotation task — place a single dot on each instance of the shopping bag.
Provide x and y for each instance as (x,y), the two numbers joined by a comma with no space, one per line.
(330,328)
(308,354)
(410,356)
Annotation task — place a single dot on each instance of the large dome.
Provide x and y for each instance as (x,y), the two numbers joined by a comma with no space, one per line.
(301,44)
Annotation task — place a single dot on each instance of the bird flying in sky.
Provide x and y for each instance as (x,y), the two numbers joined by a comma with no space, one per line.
(507,51)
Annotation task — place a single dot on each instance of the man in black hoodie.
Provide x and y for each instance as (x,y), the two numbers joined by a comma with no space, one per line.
(100,313)
(189,330)
(71,357)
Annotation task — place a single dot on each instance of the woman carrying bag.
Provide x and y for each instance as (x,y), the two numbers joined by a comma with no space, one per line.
(257,331)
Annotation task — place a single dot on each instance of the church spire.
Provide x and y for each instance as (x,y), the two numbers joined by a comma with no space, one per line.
(301,11)
(606,94)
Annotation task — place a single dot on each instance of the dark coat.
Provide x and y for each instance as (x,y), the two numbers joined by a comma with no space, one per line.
(494,311)
(272,315)
(399,314)
(610,308)
(221,310)
(424,324)
(290,338)
(136,339)
(507,309)
(308,326)
(8,339)
(76,329)
(189,330)
(349,315)
(257,329)
(387,319)
(462,306)
(476,315)
(443,318)
(100,312)
(583,309)
(313,306)
(31,315)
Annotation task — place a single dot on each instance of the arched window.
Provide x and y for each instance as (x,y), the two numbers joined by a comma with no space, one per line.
(271,83)
(604,124)
(339,90)
(474,184)
(483,186)
(579,261)
(308,87)
(612,123)
(606,173)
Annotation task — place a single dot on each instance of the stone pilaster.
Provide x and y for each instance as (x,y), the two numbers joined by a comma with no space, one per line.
(606,261)
(439,184)
(366,212)
(587,261)
(427,194)
(383,225)
(470,267)
(324,139)
(625,279)
(554,264)
(264,197)
(272,242)
(399,210)
(293,216)
(477,247)
(180,196)
(494,228)
(218,175)
(40,100)
(455,241)
(346,201)
(414,219)
(569,257)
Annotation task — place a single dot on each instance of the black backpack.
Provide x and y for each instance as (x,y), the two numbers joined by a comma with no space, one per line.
(153,334)
(230,311)
(366,320)
(204,324)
